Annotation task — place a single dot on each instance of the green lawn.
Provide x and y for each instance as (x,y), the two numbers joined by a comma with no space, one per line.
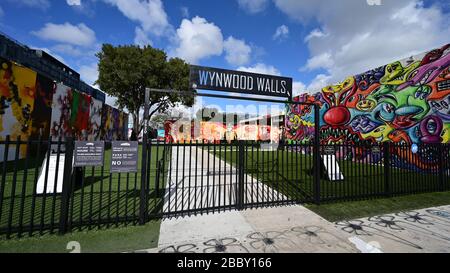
(290,173)
(123,239)
(101,196)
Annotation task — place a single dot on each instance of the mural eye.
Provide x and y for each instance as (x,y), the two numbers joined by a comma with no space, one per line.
(351,99)
(444,104)
(389,69)
(377,130)
(431,126)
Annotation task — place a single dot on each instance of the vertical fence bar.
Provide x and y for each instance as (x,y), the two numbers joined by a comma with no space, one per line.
(3,182)
(143,193)
(13,188)
(24,186)
(387,169)
(67,186)
(55,186)
(240,186)
(441,167)
(316,155)
(36,173)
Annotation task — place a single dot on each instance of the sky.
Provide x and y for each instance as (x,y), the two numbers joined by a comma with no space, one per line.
(316,42)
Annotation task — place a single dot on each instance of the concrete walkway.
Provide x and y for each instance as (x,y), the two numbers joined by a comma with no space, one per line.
(425,230)
(199,180)
(278,229)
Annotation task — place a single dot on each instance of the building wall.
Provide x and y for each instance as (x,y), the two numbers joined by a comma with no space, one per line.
(407,101)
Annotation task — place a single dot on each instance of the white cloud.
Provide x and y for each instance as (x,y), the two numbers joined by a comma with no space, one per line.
(79,35)
(253,6)
(261,69)
(320,81)
(149,13)
(315,33)
(197,39)
(281,33)
(355,37)
(110,100)
(67,50)
(41,4)
(184,12)
(323,60)
(141,39)
(73,2)
(237,51)
(298,88)
(89,73)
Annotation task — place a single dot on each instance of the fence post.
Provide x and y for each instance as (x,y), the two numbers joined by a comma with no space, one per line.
(387,169)
(143,194)
(157,177)
(441,167)
(316,155)
(67,186)
(240,187)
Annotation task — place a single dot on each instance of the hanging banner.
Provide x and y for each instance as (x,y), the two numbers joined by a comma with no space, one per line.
(209,78)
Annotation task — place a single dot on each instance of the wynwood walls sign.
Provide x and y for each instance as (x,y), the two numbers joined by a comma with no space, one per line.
(209,78)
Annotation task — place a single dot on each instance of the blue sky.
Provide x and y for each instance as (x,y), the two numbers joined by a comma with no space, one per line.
(316,42)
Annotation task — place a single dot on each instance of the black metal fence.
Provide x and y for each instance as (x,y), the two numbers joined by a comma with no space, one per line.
(41,191)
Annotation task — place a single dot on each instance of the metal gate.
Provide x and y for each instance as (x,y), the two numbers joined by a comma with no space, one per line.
(201,177)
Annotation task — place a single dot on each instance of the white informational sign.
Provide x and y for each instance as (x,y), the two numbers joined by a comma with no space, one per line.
(332,167)
(51,175)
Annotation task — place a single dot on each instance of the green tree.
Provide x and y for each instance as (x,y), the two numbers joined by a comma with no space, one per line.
(207,114)
(125,72)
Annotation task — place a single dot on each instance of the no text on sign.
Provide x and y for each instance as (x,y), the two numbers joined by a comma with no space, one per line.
(209,78)
(124,156)
(89,153)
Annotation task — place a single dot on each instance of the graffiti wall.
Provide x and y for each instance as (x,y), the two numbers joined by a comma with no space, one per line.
(61,113)
(405,102)
(17,93)
(32,105)
(213,132)
(95,119)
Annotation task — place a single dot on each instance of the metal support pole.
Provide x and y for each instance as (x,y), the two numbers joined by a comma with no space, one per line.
(143,194)
(316,155)
(67,186)
(240,188)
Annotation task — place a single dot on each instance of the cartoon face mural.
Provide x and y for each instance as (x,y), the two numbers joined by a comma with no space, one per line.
(406,102)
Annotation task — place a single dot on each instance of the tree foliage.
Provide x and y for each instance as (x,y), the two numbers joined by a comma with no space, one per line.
(125,72)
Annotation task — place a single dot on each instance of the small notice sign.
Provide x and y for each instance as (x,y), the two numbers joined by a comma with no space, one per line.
(89,153)
(124,156)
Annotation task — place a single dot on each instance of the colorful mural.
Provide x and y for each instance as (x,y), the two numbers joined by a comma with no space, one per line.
(95,119)
(42,113)
(215,132)
(17,93)
(32,105)
(404,102)
(61,113)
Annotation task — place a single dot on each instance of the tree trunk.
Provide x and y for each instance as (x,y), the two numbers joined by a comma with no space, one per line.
(136,121)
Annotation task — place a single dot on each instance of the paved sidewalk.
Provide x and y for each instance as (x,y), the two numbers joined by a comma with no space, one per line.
(278,229)
(425,230)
